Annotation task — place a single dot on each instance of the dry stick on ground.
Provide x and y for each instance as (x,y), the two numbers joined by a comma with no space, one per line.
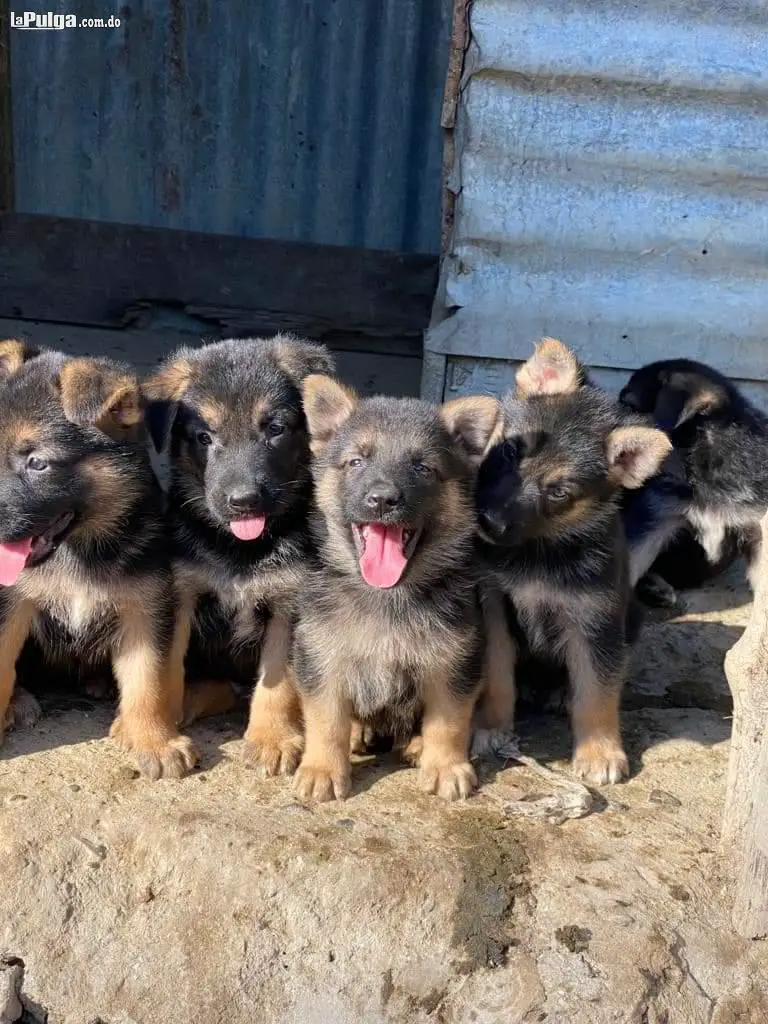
(745,824)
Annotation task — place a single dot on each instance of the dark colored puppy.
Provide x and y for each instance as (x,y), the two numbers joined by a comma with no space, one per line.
(723,441)
(548,503)
(84,564)
(390,628)
(238,502)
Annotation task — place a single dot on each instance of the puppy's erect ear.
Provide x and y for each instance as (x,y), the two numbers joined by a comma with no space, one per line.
(635,454)
(553,369)
(162,393)
(13,354)
(99,393)
(328,404)
(170,382)
(474,423)
(299,358)
(685,395)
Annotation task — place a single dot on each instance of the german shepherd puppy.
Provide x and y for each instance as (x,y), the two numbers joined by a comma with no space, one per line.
(239,497)
(84,564)
(723,441)
(548,503)
(390,629)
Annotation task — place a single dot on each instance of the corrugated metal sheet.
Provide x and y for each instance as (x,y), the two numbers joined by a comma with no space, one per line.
(612,177)
(302,120)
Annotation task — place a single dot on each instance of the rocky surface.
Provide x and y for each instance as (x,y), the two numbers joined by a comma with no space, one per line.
(220,900)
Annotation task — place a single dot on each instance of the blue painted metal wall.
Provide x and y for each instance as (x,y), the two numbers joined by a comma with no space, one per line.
(303,120)
(611,175)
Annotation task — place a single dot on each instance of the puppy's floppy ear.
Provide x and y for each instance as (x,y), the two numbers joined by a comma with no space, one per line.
(162,393)
(553,369)
(635,454)
(328,404)
(474,423)
(13,354)
(299,358)
(100,393)
(685,395)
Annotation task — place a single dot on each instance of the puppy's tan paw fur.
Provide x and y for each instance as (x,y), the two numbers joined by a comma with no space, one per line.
(454,781)
(600,762)
(274,750)
(322,782)
(157,753)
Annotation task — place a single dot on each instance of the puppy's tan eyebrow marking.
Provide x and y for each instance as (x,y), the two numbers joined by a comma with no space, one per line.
(260,411)
(556,474)
(212,412)
(21,435)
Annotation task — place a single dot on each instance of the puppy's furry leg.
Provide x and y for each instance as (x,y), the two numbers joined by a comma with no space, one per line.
(444,767)
(495,712)
(151,696)
(15,623)
(273,739)
(207,697)
(751,547)
(182,630)
(598,755)
(24,711)
(361,738)
(324,772)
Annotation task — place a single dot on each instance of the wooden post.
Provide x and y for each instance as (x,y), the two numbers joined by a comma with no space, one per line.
(745,824)
(6,117)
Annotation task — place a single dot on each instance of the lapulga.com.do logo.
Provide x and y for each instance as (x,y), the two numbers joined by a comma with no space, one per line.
(36,20)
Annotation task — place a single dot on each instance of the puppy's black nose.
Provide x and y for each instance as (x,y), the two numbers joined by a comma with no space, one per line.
(383,497)
(243,500)
(492,522)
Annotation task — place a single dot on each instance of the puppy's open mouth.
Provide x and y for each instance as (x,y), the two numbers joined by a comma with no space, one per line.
(17,555)
(383,551)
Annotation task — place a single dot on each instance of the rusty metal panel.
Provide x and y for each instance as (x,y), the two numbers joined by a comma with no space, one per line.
(610,176)
(303,120)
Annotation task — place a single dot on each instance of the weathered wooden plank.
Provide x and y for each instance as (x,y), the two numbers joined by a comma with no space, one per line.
(745,822)
(6,112)
(78,271)
(366,371)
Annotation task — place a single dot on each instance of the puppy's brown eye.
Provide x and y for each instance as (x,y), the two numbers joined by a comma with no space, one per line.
(422,468)
(36,465)
(275,429)
(557,492)
(355,463)
(204,438)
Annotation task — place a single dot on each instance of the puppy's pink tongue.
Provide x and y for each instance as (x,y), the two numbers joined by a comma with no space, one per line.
(13,558)
(248,529)
(382,563)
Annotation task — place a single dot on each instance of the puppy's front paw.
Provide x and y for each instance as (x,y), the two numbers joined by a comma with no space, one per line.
(157,754)
(600,761)
(450,781)
(23,711)
(321,782)
(412,752)
(274,750)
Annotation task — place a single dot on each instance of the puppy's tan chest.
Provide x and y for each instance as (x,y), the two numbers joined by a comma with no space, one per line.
(77,609)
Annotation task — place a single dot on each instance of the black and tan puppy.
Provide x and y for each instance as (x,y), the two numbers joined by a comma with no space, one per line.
(548,502)
(84,562)
(723,440)
(238,503)
(390,628)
